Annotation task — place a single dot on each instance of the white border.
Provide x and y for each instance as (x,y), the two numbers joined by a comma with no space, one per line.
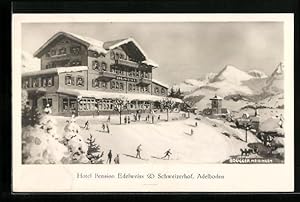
(241,178)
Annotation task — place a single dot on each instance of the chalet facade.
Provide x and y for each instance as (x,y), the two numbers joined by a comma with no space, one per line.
(84,75)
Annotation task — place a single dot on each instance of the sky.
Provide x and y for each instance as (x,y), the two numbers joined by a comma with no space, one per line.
(183,50)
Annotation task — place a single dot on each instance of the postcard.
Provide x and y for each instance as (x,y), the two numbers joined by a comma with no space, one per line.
(153,103)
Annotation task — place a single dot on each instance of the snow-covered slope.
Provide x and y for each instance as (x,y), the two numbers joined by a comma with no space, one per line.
(29,63)
(190,85)
(257,74)
(233,81)
(232,74)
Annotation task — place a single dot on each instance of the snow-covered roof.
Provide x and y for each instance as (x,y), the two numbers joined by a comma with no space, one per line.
(216,98)
(160,83)
(97,45)
(112,95)
(57,70)
(92,44)
(150,63)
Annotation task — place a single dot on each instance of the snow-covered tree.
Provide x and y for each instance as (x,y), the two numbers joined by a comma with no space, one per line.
(167,104)
(93,152)
(120,105)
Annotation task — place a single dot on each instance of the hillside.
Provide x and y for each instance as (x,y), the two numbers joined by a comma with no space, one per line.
(239,88)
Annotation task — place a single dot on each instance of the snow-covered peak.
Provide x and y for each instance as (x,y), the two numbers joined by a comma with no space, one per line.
(278,71)
(232,74)
(257,74)
(29,63)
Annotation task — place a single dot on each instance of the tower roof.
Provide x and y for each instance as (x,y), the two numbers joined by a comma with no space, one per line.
(216,98)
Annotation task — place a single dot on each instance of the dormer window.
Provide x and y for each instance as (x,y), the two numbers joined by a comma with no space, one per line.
(156,90)
(95,65)
(163,91)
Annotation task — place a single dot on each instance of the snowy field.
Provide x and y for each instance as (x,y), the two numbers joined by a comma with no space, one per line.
(208,144)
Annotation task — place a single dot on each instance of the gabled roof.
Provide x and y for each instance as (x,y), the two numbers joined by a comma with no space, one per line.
(92,44)
(100,46)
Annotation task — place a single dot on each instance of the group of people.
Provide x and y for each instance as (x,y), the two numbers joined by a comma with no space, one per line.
(167,154)
(109,158)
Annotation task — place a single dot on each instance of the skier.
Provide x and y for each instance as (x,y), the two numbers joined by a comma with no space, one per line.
(192,131)
(125,119)
(196,124)
(117,159)
(47,109)
(107,128)
(167,154)
(128,119)
(138,152)
(109,156)
(148,117)
(86,125)
(103,127)
(158,118)
(108,119)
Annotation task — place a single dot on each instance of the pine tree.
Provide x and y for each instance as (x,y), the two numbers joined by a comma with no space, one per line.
(179,94)
(93,149)
(172,92)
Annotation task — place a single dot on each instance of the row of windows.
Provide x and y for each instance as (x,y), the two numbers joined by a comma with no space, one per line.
(70,80)
(132,73)
(96,83)
(63,64)
(162,91)
(105,104)
(97,66)
(35,82)
(117,56)
(62,51)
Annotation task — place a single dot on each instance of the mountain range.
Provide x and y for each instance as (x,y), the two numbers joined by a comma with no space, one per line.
(237,87)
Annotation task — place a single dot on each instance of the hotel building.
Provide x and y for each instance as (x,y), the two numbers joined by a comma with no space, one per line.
(84,75)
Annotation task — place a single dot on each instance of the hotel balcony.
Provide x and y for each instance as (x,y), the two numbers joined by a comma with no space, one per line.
(144,81)
(107,76)
(127,63)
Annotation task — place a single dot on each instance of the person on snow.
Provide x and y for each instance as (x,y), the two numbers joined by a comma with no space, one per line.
(107,128)
(117,159)
(109,157)
(167,154)
(158,118)
(47,109)
(196,124)
(138,152)
(86,125)
(125,119)
(103,127)
(108,119)
(128,119)
(192,131)
(152,119)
